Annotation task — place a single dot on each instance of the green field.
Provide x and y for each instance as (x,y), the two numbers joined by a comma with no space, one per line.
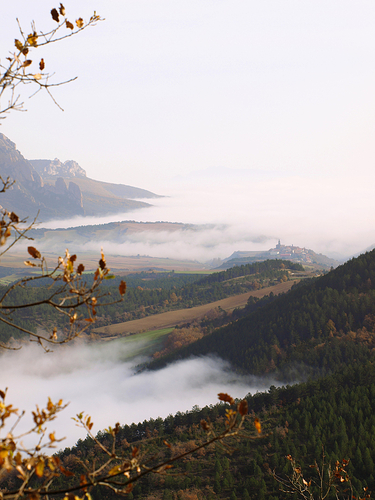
(145,343)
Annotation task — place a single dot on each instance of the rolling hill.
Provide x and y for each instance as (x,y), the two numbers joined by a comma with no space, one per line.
(318,326)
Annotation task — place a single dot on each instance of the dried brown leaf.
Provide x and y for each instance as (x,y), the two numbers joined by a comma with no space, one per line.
(26,63)
(62,9)
(32,39)
(28,263)
(55,15)
(14,217)
(243,408)
(83,482)
(225,397)
(39,469)
(80,23)
(134,451)
(122,288)
(66,472)
(34,252)
(18,44)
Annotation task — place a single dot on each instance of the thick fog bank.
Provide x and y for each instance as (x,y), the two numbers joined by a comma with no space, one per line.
(333,216)
(98,380)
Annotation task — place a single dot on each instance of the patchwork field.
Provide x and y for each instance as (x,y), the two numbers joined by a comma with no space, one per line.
(173,318)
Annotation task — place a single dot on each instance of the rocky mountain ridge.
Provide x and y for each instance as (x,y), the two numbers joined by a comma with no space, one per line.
(52,168)
(57,190)
(30,194)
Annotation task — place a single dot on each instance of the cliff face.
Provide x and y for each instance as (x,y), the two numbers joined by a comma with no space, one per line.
(29,194)
(14,165)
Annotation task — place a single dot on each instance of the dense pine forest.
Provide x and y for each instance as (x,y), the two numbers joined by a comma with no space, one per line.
(334,416)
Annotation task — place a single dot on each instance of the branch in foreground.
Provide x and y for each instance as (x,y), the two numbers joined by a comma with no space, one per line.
(21,70)
(72,294)
(119,472)
(324,481)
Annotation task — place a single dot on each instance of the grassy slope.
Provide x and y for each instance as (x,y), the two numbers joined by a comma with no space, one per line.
(108,189)
(101,197)
(144,344)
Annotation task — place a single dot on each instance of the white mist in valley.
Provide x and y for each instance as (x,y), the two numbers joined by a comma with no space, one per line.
(100,380)
(244,212)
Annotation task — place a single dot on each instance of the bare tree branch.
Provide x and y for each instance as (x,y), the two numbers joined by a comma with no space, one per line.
(17,71)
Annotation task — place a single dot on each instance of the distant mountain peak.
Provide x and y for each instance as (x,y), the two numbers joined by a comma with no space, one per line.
(60,190)
(56,168)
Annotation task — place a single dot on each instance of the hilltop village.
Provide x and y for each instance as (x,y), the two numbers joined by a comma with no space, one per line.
(291,252)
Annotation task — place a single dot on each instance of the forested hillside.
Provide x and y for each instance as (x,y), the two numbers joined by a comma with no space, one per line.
(321,332)
(318,326)
(334,415)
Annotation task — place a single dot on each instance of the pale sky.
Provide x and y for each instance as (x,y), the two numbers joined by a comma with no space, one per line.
(166,87)
(170,87)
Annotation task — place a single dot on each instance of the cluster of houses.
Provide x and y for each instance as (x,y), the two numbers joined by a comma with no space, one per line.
(290,252)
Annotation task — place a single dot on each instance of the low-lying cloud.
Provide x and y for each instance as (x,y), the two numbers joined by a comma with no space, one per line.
(98,379)
(201,244)
(331,216)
